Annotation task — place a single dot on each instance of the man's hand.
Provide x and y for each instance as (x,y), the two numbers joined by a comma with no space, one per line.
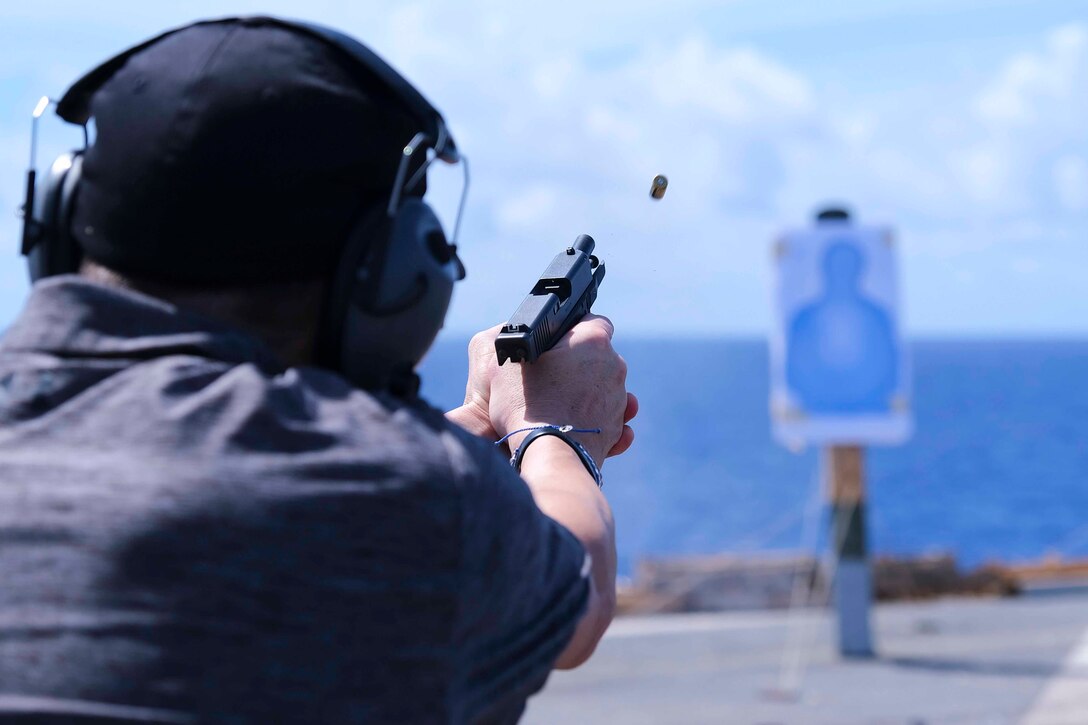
(581,381)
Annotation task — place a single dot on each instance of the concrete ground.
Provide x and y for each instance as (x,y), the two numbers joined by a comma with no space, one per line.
(989,661)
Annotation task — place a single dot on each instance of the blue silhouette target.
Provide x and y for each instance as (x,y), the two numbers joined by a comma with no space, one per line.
(842,347)
(838,368)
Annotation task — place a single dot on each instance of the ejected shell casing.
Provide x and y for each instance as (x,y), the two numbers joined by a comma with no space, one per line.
(657,188)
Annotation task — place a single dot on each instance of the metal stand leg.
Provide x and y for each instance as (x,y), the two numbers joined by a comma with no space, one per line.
(853,586)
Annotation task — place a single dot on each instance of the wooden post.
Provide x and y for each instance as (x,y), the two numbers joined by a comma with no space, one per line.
(852,586)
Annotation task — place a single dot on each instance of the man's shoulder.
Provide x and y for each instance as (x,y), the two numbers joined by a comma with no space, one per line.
(302,417)
(223,414)
(309,421)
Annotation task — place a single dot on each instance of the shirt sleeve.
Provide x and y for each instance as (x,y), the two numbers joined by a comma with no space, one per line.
(525,588)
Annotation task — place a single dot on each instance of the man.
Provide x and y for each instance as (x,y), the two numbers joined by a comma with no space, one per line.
(201,518)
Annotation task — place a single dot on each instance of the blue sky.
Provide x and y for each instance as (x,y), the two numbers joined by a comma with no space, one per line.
(962,124)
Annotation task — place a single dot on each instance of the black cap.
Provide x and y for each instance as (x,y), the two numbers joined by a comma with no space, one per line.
(235,151)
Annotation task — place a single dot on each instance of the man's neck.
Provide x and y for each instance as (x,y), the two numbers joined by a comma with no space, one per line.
(284,315)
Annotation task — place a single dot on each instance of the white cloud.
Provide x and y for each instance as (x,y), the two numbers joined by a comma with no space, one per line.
(1025,265)
(552,78)
(1071,182)
(1031,142)
(736,85)
(985,173)
(1030,82)
(1008,101)
(528,208)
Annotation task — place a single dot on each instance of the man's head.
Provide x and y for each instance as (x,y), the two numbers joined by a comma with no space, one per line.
(254,151)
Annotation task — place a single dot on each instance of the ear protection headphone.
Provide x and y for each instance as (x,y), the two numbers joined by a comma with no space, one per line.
(392,285)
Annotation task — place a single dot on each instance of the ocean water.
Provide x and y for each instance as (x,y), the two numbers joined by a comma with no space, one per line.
(997,468)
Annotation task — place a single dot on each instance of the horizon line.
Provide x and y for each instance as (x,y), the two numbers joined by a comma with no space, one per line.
(915,336)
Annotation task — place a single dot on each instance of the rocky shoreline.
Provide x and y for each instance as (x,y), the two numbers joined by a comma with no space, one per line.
(780,580)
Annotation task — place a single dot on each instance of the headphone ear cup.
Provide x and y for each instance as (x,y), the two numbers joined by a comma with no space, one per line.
(391,294)
(415,258)
(56,251)
(370,226)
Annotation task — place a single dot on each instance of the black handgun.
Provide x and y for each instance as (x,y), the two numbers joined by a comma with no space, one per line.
(561,297)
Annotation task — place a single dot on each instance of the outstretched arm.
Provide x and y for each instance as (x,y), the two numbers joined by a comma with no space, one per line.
(580,382)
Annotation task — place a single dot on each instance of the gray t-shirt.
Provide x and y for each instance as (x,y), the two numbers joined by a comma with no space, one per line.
(190,532)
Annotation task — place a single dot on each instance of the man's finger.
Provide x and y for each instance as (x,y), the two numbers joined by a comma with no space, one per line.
(627,437)
(632,408)
(600,320)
